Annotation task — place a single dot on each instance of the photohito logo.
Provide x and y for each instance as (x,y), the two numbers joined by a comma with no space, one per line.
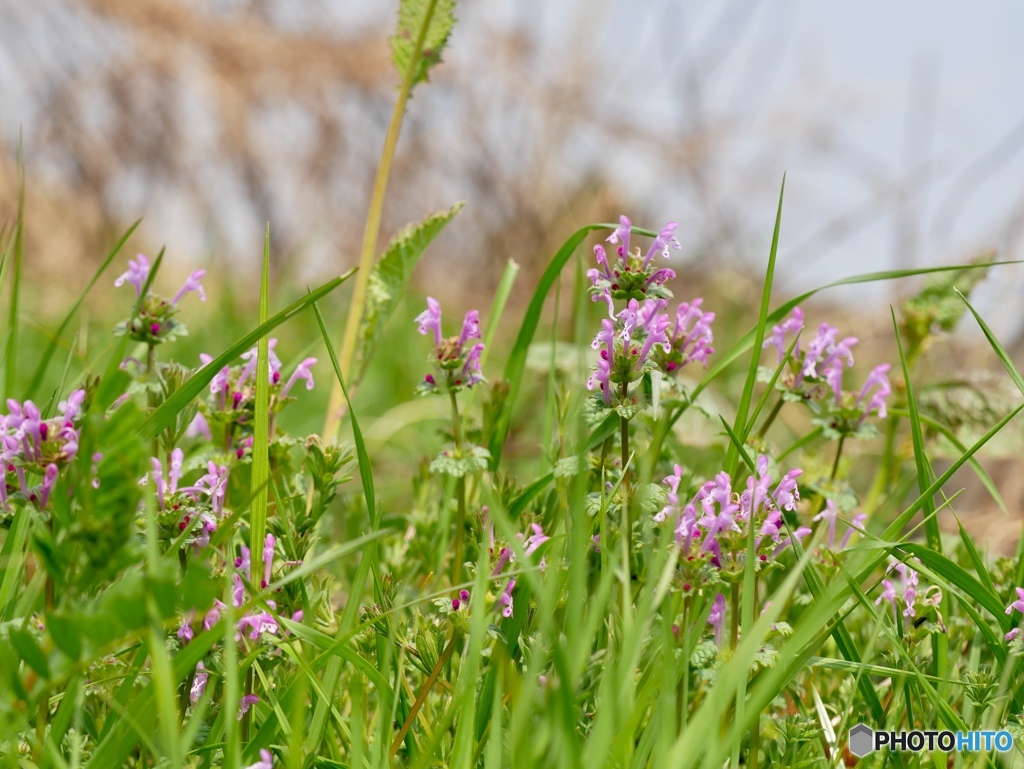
(865,740)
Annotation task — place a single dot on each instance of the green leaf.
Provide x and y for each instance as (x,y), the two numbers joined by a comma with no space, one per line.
(471,459)
(420,37)
(387,281)
(167,410)
(29,650)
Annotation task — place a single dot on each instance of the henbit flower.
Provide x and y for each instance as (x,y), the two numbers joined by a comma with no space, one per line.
(620,235)
(877,385)
(666,239)
(1012,634)
(888,594)
(302,371)
(430,320)
(691,336)
(829,515)
(185,631)
(798,534)
(265,762)
(535,540)
(470,328)
(137,274)
(192,283)
(269,544)
(792,325)
(1017,605)
(506,599)
(199,428)
(910,582)
(246,702)
(198,683)
(857,523)
(717,618)
(672,502)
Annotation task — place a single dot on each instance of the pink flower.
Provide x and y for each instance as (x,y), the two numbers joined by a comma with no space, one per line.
(136,275)
(1017,605)
(192,283)
(717,618)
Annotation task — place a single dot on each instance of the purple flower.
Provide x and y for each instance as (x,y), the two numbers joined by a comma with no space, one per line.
(829,515)
(185,632)
(799,534)
(302,371)
(535,540)
(691,336)
(199,428)
(430,320)
(717,618)
(1012,634)
(878,388)
(1017,605)
(857,523)
(247,701)
(470,327)
(506,599)
(265,762)
(198,683)
(268,559)
(662,243)
(620,235)
(137,274)
(792,325)
(192,283)
(910,582)
(888,594)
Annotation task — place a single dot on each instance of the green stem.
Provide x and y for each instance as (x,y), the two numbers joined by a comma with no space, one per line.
(734,617)
(422,697)
(335,408)
(247,718)
(835,462)
(624,439)
(460,493)
(770,418)
(684,682)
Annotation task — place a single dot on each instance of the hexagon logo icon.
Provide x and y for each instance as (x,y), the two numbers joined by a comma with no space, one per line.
(862,740)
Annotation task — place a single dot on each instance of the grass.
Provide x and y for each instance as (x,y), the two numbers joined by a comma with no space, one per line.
(519,584)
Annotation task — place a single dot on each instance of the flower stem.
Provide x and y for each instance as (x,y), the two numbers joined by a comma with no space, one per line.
(624,439)
(335,409)
(460,494)
(684,679)
(770,418)
(734,617)
(247,717)
(422,696)
(839,453)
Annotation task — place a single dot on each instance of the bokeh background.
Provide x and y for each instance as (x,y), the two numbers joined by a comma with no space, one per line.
(900,128)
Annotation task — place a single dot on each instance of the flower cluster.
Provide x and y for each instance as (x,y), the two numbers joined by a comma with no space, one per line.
(155,322)
(32,446)
(818,369)
(632,276)
(233,392)
(504,555)
(197,508)
(249,628)
(712,526)
(911,597)
(455,365)
(642,336)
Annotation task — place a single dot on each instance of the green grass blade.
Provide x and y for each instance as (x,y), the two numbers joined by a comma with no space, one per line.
(368,565)
(169,409)
(508,279)
(51,348)
(11,347)
(260,484)
(743,409)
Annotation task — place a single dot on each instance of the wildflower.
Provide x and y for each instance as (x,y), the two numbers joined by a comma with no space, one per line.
(690,337)
(457,363)
(462,600)
(137,274)
(302,371)
(506,599)
(247,701)
(1017,605)
(265,762)
(625,346)
(910,582)
(857,523)
(631,276)
(877,385)
(155,322)
(888,594)
(198,683)
(717,618)
(829,516)
(535,540)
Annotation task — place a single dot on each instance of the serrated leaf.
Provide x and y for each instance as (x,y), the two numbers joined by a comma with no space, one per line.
(650,498)
(567,467)
(387,282)
(471,459)
(420,37)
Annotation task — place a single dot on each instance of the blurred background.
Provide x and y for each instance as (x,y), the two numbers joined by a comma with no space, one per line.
(900,128)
